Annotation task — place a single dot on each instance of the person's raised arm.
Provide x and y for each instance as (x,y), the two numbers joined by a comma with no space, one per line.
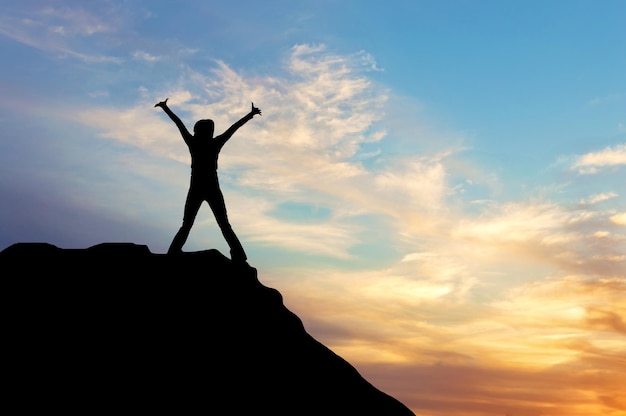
(183,130)
(232,129)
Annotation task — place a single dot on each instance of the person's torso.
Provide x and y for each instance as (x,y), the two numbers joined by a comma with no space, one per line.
(204,154)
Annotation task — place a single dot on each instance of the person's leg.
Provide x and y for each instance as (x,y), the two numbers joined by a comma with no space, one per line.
(218,206)
(192,205)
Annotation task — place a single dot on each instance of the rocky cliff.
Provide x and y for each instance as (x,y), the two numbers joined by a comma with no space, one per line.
(116,328)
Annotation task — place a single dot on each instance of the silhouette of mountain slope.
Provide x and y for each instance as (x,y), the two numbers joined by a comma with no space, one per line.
(115,327)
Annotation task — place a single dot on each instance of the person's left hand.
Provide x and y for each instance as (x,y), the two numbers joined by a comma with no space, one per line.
(255,110)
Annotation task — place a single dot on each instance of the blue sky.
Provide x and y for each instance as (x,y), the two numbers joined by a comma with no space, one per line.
(437,188)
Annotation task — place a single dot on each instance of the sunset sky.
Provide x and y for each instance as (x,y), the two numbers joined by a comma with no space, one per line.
(437,188)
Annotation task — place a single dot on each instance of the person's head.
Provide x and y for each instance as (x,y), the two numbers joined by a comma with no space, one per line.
(204,128)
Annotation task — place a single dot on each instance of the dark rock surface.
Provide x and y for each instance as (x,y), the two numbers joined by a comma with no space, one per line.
(116,328)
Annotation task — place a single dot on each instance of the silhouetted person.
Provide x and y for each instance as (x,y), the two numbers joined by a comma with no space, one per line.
(204,186)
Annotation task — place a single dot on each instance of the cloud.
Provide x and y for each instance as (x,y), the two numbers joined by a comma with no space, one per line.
(319,117)
(69,21)
(253,216)
(503,353)
(61,30)
(145,56)
(307,146)
(606,320)
(594,199)
(301,150)
(421,181)
(537,334)
(591,162)
(569,303)
(619,219)
(470,389)
(517,222)
(568,238)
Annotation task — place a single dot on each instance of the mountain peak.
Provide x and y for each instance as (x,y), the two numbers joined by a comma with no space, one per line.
(115,327)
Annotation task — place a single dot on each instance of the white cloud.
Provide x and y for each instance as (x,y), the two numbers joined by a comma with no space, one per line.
(566,238)
(74,21)
(330,237)
(61,30)
(619,219)
(591,162)
(314,122)
(306,147)
(594,199)
(420,183)
(516,222)
(318,119)
(145,56)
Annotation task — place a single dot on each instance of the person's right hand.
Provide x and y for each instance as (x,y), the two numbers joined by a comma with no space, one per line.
(162,104)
